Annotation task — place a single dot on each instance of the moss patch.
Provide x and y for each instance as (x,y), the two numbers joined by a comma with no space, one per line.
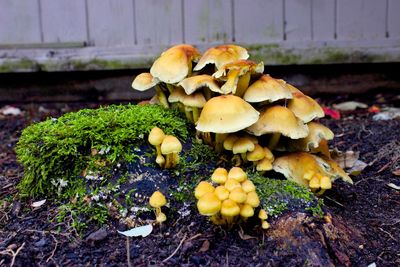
(55,153)
(278,196)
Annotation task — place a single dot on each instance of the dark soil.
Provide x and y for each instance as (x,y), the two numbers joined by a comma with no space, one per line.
(362,225)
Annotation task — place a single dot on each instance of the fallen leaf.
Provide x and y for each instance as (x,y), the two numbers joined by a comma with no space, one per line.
(10,110)
(244,236)
(396,172)
(334,114)
(392,185)
(387,114)
(37,204)
(357,168)
(349,105)
(205,246)
(143,231)
(345,159)
(98,235)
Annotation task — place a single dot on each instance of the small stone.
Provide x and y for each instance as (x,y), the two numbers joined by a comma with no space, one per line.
(99,235)
(41,243)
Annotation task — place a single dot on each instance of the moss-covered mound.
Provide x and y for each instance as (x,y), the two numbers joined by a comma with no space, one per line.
(56,153)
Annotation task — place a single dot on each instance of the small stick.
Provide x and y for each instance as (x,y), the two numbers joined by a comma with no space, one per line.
(12,253)
(176,250)
(128,252)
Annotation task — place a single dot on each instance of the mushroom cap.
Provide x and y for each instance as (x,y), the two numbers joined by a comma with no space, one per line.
(268,154)
(257,154)
(157,200)
(262,214)
(278,119)
(156,136)
(174,64)
(229,141)
(317,133)
(325,182)
(170,144)
(246,211)
(144,81)
(253,199)
(266,88)
(221,55)
(219,176)
(336,171)
(243,66)
(305,108)
(264,165)
(221,192)
(295,165)
(177,95)
(243,145)
(209,204)
(191,84)
(265,225)
(196,100)
(229,208)
(226,114)
(314,183)
(237,174)
(291,88)
(231,184)
(238,195)
(202,188)
(248,186)
(160,160)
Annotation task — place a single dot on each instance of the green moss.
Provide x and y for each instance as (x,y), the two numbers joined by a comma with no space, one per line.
(54,153)
(278,196)
(23,64)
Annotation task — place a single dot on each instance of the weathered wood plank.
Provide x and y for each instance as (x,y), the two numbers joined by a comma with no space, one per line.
(394,19)
(361,19)
(323,19)
(207,21)
(19,21)
(111,22)
(159,22)
(63,20)
(298,20)
(258,21)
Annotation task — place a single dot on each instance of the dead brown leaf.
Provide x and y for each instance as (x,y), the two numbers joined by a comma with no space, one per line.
(205,247)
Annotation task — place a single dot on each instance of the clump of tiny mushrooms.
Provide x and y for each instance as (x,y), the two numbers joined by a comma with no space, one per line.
(255,118)
(232,198)
(167,148)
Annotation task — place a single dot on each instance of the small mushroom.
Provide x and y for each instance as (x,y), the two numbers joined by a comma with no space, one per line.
(305,108)
(156,137)
(202,188)
(268,89)
(237,174)
(194,83)
(158,200)
(146,81)
(242,146)
(219,176)
(229,210)
(171,147)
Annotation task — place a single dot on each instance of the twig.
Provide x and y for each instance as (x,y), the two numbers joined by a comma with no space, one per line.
(128,252)
(340,204)
(193,237)
(13,254)
(54,250)
(388,164)
(386,232)
(176,250)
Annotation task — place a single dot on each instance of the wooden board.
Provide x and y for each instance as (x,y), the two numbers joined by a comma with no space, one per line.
(323,19)
(63,21)
(361,19)
(111,22)
(19,21)
(394,19)
(258,21)
(298,20)
(159,22)
(207,21)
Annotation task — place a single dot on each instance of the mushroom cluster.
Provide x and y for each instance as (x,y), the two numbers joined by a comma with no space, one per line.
(157,200)
(167,148)
(233,197)
(239,110)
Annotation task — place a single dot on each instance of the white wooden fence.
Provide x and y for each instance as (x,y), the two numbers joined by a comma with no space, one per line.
(54,35)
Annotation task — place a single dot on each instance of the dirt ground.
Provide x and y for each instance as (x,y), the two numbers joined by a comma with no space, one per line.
(368,212)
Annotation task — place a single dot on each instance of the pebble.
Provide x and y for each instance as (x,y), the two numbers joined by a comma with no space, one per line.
(41,243)
(99,235)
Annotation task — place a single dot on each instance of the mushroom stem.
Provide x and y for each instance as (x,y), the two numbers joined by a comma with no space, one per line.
(168,159)
(195,113)
(243,84)
(207,138)
(188,113)
(236,161)
(170,87)
(219,141)
(231,82)
(244,157)
(274,140)
(161,97)
(320,192)
(158,149)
